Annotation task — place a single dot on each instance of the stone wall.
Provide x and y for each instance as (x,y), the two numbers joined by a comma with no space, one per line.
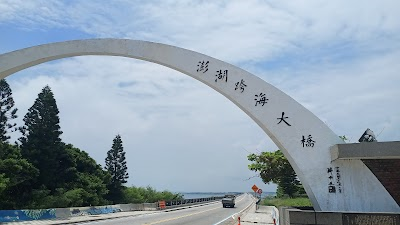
(388,173)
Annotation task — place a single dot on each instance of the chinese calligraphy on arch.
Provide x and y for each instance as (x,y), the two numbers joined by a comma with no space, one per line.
(309,142)
(202,66)
(283,118)
(261,99)
(335,183)
(221,75)
(240,85)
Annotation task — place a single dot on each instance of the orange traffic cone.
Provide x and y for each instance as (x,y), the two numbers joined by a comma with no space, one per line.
(239,220)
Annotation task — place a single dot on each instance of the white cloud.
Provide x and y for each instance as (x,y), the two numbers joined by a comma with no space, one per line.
(235,31)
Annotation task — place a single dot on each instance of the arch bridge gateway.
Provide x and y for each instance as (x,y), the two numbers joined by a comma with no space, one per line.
(339,185)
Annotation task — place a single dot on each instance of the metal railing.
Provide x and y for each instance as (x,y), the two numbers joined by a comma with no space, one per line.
(186,202)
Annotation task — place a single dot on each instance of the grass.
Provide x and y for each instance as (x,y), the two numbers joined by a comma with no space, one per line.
(296,202)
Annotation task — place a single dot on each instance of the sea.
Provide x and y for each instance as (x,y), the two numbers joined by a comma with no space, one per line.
(192,195)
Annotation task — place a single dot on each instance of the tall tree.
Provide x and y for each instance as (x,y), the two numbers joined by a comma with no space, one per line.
(116,162)
(7,111)
(274,167)
(116,166)
(41,143)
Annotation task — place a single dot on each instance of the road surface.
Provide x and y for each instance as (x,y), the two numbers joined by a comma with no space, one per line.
(211,214)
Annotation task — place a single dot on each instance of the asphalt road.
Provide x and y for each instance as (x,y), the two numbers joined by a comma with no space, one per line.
(208,214)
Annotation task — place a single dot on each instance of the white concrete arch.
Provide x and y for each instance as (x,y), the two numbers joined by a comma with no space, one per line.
(304,139)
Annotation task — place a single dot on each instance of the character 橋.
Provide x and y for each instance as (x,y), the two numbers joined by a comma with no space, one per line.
(309,142)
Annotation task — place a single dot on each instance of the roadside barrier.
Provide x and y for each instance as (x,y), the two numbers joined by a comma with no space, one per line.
(57,213)
(26,215)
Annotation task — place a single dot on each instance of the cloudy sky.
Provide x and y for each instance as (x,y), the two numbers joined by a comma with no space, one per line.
(340,59)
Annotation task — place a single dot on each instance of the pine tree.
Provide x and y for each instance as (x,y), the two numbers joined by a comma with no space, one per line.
(7,111)
(116,162)
(41,143)
(116,166)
